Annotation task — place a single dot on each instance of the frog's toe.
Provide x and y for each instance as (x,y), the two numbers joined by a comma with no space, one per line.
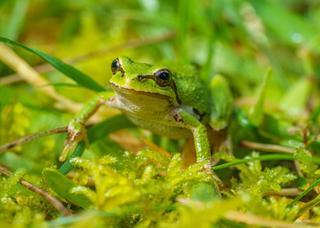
(75,135)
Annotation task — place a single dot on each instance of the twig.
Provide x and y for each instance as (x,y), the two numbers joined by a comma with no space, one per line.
(13,78)
(134,43)
(286,192)
(51,199)
(267,147)
(248,218)
(251,219)
(32,137)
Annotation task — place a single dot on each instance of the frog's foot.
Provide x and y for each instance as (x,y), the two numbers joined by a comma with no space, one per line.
(77,128)
(76,133)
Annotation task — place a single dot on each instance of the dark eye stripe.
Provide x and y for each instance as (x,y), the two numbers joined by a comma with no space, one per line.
(162,79)
(174,87)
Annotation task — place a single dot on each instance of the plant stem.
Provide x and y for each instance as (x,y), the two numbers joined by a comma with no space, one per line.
(267,147)
(309,205)
(305,192)
(32,137)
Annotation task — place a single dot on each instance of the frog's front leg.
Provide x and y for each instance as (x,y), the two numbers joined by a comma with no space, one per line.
(200,136)
(77,128)
(202,148)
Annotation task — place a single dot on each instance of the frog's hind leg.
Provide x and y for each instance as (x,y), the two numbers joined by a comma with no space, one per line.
(219,142)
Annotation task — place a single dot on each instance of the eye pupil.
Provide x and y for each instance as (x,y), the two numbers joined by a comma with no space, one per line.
(162,77)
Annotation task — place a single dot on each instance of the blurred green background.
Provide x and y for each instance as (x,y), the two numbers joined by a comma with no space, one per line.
(237,38)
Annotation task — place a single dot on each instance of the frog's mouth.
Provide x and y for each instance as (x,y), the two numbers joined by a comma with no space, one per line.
(127,91)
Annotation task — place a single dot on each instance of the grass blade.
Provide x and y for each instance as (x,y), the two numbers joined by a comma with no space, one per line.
(63,186)
(305,192)
(70,71)
(259,158)
(257,111)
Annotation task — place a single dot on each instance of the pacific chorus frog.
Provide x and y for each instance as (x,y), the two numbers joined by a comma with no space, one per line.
(166,99)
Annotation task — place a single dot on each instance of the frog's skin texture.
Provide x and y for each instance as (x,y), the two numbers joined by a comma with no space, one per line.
(166,99)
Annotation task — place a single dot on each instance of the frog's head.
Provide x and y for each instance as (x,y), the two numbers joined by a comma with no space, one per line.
(130,77)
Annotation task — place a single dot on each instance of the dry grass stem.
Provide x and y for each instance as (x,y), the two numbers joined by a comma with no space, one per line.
(267,147)
(32,137)
(28,74)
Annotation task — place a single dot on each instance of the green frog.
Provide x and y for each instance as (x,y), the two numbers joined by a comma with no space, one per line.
(167,99)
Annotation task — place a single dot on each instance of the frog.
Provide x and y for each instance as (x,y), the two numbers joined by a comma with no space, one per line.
(166,98)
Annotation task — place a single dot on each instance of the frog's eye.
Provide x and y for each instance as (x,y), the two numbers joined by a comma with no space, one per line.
(116,66)
(162,77)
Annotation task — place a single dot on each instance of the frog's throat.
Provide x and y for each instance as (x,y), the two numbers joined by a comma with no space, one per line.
(172,85)
(121,89)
